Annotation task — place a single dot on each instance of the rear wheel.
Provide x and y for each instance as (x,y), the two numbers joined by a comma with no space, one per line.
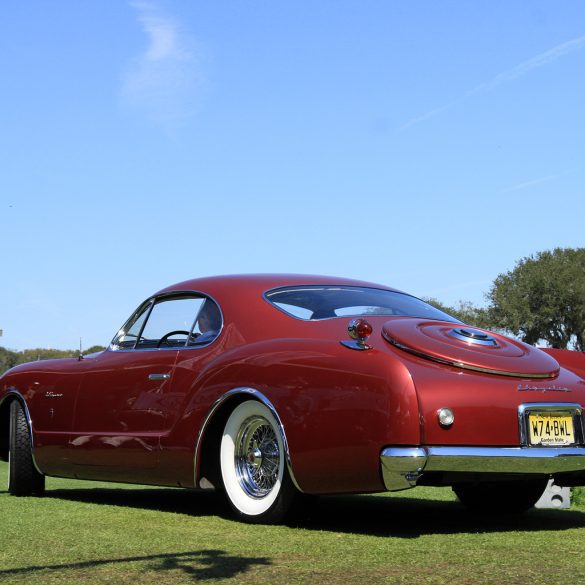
(253,465)
(23,477)
(505,497)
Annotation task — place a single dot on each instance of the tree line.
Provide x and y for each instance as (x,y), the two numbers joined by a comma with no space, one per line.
(9,359)
(542,299)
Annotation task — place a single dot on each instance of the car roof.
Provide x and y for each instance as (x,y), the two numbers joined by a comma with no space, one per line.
(257,284)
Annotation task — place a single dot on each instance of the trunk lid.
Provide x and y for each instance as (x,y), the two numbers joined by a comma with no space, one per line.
(469,348)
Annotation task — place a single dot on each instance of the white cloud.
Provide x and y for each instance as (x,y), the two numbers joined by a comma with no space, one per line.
(532,183)
(165,82)
(506,76)
(528,66)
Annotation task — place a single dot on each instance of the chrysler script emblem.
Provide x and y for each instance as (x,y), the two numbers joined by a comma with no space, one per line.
(527,388)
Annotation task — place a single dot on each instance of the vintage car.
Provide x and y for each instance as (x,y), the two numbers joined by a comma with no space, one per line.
(273,387)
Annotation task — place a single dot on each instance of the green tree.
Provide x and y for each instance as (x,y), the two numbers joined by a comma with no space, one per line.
(9,359)
(543,298)
(465,312)
(93,349)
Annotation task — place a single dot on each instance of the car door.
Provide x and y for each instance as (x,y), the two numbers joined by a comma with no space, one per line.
(120,410)
(50,394)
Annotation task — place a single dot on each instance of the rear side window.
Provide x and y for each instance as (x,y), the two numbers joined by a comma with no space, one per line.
(325,302)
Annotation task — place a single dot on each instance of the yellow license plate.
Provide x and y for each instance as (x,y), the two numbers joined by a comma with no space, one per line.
(553,429)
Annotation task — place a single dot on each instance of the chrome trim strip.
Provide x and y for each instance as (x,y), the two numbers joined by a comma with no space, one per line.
(460,364)
(20,398)
(403,466)
(358,345)
(259,396)
(159,376)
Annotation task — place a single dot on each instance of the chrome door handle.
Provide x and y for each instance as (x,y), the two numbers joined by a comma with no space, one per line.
(159,376)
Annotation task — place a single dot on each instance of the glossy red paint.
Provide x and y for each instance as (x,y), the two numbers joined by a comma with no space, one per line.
(104,417)
(436,341)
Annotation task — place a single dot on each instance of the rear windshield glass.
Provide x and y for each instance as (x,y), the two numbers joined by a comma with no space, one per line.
(325,302)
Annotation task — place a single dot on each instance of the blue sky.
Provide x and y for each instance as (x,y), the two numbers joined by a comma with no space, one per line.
(425,145)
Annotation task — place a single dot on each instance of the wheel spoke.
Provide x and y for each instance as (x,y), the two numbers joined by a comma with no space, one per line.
(257,457)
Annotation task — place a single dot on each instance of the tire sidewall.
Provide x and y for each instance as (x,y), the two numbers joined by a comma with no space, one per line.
(15,412)
(24,479)
(246,506)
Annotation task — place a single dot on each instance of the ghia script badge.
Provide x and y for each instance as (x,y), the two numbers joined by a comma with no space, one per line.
(527,388)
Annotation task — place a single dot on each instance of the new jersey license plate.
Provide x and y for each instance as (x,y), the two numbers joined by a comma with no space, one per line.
(551,430)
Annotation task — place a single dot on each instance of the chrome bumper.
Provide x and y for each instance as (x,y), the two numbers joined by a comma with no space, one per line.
(402,467)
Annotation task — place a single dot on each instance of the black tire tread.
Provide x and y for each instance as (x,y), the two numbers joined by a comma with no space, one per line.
(24,478)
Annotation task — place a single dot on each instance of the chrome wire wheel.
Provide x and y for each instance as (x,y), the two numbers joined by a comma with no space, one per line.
(253,464)
(257,457)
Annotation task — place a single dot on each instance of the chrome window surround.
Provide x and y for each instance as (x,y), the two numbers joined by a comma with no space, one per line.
(258,396)
(15,394)
(313,286)
(153,300)
(550,407)
(402,467)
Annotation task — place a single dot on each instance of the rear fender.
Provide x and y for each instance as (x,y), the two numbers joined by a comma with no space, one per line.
(570,360)
(206,469)
(339,408)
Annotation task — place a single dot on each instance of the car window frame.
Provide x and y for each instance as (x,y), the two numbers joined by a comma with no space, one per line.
(152,301)
(283,287)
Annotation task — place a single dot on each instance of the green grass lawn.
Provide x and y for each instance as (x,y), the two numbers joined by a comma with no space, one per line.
(93,532)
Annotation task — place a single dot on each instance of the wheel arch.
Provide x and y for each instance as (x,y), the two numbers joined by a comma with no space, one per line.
(206,463)
(11,396)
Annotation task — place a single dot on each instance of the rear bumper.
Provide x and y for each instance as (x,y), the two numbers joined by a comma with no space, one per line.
(402,467)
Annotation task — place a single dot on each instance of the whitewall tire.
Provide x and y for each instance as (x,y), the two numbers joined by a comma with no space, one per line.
(253,464)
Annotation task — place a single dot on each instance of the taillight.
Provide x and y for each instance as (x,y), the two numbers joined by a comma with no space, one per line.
(359,330)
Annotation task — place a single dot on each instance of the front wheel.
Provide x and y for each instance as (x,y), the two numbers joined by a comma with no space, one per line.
(505,497)
(23,477)
(253,465)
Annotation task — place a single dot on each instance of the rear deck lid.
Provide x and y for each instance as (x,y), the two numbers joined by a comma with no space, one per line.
(469,348)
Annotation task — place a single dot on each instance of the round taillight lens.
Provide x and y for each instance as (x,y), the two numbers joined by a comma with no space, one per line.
(359,329)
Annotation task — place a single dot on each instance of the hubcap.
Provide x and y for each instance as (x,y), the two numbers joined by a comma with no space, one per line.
(257,457)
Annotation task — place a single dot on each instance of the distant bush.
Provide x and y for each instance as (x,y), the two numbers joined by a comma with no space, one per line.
(578,496)
(9,359)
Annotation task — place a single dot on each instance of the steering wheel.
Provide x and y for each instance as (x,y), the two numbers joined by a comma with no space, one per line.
(165,337)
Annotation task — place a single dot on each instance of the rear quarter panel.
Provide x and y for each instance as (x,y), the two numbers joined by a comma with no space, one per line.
(339,407)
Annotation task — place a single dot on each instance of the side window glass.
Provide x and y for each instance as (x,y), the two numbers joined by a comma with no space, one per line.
(208,324)
(128,335)
(170,322)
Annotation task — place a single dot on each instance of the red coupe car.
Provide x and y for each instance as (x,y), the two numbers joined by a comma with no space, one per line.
(269,387)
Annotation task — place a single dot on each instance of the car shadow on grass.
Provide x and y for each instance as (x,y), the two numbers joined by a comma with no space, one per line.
(199,565)
(410,518)
(177,501)
(364,514)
